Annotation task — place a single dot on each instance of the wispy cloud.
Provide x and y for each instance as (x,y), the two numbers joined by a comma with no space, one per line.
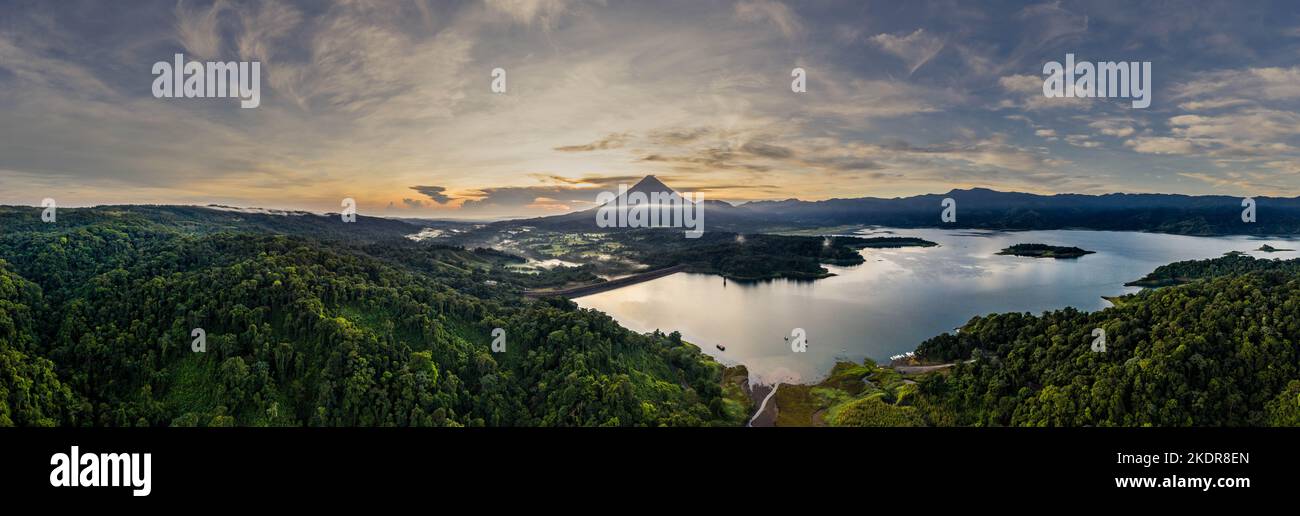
(612,141)
(197,30)
(544,13)
(364,99)
(914,49)
(770,11)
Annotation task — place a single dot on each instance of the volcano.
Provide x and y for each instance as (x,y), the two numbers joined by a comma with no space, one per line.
(650,186)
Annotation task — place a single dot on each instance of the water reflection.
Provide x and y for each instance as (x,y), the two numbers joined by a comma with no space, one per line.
(899,297)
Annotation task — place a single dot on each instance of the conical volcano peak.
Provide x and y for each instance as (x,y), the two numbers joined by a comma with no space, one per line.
(650,184)
(648,189)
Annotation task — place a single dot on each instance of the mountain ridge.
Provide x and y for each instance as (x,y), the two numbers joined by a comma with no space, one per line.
(985,208)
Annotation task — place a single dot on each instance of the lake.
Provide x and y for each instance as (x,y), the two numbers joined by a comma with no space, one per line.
(899,297)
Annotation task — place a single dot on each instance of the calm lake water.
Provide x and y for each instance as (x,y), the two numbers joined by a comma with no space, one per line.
(899,297)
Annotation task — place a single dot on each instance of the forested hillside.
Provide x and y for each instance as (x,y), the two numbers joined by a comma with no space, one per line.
(1218,351)
(752,257)
(30,391)
(1232,263)
(311,326)
(306,325)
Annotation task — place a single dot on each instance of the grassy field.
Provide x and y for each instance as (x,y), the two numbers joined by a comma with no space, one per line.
(853,395)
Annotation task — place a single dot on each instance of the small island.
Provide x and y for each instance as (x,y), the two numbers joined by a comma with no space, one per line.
(1044,251)
(885,242)
(1270,249)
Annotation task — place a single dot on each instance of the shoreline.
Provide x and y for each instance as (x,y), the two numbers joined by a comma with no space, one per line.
(586,290)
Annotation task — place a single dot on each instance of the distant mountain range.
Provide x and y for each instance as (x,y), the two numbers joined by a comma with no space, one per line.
(203,220)
(982,208)
(977,208)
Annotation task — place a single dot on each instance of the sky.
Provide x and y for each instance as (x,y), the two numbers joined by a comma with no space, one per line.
(391,102)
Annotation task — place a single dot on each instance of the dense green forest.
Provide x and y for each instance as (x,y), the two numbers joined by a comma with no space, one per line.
(753,257)
(1178,273)
(316,325)
(308,323)
(1219,350)
(1222,350)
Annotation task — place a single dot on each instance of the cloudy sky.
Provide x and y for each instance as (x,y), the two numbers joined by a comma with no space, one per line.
(390,102)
